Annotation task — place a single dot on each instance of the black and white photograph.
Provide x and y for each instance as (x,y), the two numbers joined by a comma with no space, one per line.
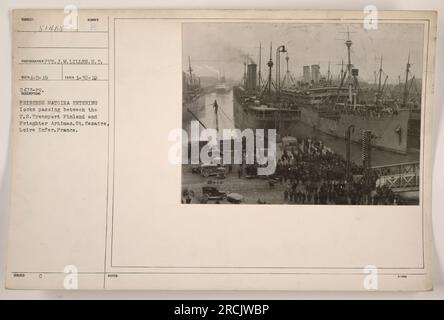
(301,113)
(252,153)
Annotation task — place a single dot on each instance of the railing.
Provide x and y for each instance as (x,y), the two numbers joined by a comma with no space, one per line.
(276,115)
(402,175)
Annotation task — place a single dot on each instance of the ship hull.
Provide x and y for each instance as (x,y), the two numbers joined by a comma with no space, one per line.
(250,118)
(222,90)
(389,132)
(243,120)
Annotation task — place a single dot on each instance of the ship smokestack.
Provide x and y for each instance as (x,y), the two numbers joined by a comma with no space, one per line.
(306,74)
(251,77)
(315,73)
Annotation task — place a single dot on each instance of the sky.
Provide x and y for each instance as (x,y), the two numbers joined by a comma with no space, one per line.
(216,48)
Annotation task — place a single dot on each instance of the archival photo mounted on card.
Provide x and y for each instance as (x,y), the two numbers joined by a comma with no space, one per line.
(221,150)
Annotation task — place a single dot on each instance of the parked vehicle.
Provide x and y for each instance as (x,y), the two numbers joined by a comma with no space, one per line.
(235,198)
(213,193)
(207,170)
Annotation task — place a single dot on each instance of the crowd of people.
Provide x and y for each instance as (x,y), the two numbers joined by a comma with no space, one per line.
(314,174)
(366,111)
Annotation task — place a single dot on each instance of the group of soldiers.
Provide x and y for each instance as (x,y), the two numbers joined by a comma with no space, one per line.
(314,174)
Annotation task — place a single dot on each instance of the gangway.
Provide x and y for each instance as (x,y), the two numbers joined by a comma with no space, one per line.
(401,178)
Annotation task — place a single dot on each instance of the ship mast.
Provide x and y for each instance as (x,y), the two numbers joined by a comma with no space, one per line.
(287,72)
(216,109)
(351,75)
(341,77)
(270,66)
(288,80)
(260,64)
(380,75)
(328,73)
(384,86)
(381,86)
(406,92)
(190,70)
(245,71)
(349,43)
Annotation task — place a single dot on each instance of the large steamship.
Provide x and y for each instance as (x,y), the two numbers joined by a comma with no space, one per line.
(330,108)
(193,98)
(257,104)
